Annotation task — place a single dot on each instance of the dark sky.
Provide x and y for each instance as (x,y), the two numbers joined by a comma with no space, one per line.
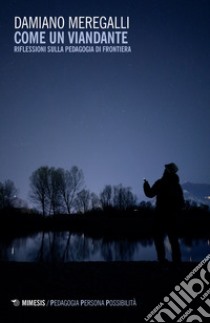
(119,117)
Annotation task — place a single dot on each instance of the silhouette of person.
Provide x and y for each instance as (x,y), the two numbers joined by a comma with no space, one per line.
(169,203)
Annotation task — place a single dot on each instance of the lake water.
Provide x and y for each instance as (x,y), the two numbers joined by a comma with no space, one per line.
(67,246)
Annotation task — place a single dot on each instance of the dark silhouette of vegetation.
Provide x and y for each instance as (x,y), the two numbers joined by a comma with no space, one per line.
(71,184)
(39,182)
(55,190)
(136,224)
(118,197)
(59,191)
(8,193)
(106,197)
(66,204)
(83,201)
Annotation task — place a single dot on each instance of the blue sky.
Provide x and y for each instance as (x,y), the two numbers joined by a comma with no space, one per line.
(119,117)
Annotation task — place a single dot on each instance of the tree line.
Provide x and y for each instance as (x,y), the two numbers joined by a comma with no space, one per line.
(8,193)
(59,191)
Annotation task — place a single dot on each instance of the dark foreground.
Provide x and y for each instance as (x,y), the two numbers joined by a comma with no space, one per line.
(141,285)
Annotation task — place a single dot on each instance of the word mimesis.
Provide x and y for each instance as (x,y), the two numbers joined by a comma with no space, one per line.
(178,304)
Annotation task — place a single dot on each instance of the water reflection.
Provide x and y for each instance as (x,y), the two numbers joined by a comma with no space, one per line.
(68,246)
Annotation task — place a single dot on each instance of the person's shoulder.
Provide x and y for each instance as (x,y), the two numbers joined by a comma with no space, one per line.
(158,182)
(176,178)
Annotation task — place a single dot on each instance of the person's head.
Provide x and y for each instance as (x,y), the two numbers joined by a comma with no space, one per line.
(171,168)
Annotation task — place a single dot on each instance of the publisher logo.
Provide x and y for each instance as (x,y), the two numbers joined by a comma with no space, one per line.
(15,302)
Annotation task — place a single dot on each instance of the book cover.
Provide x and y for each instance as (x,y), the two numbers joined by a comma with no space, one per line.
(104,160)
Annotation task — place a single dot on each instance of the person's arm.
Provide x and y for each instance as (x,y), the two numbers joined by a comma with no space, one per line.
(148,190)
